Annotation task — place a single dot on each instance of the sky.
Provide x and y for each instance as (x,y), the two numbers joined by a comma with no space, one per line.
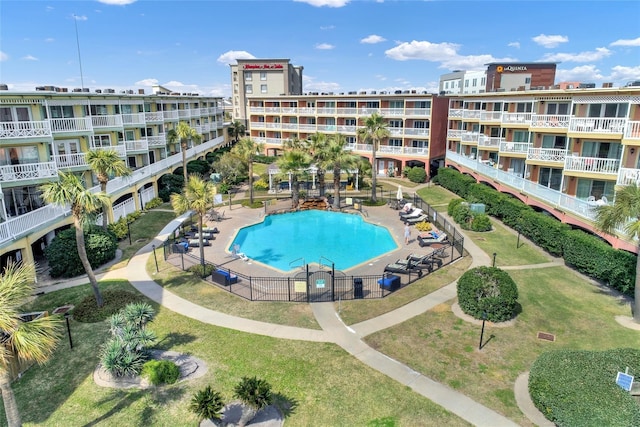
(343,45)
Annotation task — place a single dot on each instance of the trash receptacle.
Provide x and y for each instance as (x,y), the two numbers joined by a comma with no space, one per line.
(357,288)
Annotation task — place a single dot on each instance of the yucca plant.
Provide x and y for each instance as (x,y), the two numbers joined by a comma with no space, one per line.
(255,394)
(139,313)
(120,362)
(207,404)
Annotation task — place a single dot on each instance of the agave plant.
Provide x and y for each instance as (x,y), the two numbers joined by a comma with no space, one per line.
(207,404)
(139,313)
(118,361)
(255,394)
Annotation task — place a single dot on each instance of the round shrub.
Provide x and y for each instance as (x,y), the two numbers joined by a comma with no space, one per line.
(490,290)
(417,174)
(202,270)
(153,203)
(207,404)
(577,387)
(462,215)
(62,253)
(261,184)
(161,372)
(114,300)
(423,226)
(481,222)
(453,204)
(119,228)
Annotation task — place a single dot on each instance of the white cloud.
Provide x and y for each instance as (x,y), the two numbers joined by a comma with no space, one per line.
(550,41)
(372,39)
(146,82)
(514,44)
(327,27)
(29,58)
(623,74)
(381,77)
(324,46)
(230,57)
(311,85)
(3,56)
(328,3)
(422,50)
(174,83)
(582,73)
(628,42)
(80,18)
(599,53)
(117,2)
(49,40)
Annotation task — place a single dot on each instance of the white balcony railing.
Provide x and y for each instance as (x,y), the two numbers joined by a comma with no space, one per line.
(469,137)
(396,131)
(327,128)
(633,130)
(25,129)
(628,176)
(550,121)
(471,114)
(423,112)
(119,148)
(454,133)
(489,141)
(516,118)
(70,160)
(74,124)
(153,117)
(597,125)
(491,116)
(170,115)
(347,111)
(111,121)
(514,147)
(137,145)
(347,128)
(326,111)
(392,112)
(133,119)
(184,114)
(157,141)
(13,173)
(591,164)
(556,155)
(456,113)
(417,132)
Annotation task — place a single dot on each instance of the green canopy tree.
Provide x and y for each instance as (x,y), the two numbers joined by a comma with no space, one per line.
(197,196)
(338,158)
(319,148)
(294,161)
(106,163)
(183,133)
(33,341)
(247,150)
(625,214)
(374,131)
(68,190)
(236,130)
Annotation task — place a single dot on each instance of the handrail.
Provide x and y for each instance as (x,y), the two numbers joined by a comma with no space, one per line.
(298,259)
(327,259)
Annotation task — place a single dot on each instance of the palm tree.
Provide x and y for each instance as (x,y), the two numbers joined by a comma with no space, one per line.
(247,150)
(338,157)
(294,161)
(374,131)
(255,394)
(197,195)
(237,130)
(68,190)
(183,133)
(34,340)
(318,145)
(106,163)
(625,212)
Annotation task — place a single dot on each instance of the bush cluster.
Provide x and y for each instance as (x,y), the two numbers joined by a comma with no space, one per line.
(153,203)
(488,290)
(261,184)
(169,184)
(416,174)
(585,252)
(202,270)
(577,387)
(461,213)
(115,300)
(62,253)
(161,372)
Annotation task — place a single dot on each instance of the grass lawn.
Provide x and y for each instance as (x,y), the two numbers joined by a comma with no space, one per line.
(437,197)
(555,300)
(192,288)
(320,382)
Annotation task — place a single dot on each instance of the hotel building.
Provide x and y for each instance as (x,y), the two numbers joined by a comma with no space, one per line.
(561,151)
(51,130)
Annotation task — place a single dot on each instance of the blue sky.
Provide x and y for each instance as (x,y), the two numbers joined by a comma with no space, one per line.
(343,45)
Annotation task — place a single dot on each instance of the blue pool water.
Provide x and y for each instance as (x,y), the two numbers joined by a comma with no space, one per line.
(344,239)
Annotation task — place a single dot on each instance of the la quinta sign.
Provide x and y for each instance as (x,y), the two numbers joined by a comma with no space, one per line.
(511,68)
(263,66)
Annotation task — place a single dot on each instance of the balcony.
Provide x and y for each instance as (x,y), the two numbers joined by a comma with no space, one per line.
(257,110)
(290,126)
(456,113)
(25,129)
(628,176)
(273,125)
(395,131)
(194,112)
(592,165)
(491,116)
(392,112)
(489,142)
(347,129)
(550,121)
(327,128)
(258,125)
(418,112)
(154,117)
(389,149)
(170,115)
(422,132)
(327,111)
(307,110)
(509,147)
(137,146)
(416,151)
(70,160)
(307,127)
(119,148)
(71,125)
(102,122)
(136,119)
(157,141)
(347,111)
(269,141)
(454,133)
(516,118)
(593,125)
(632,131)
(552,155)
(471,114)
(184,114)
(469,137)
(28,171)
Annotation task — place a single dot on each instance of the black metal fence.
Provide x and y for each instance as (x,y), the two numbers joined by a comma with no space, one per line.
(319,283)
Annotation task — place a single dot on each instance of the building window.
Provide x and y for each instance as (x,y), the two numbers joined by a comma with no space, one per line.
(248,76)
(263,75)
(446,85)
(263,88)
(395,142)
(475,82)
(466,83)
(483,81)
(395,123)
(101,140)
(235,88)
(249,88)
(527,80)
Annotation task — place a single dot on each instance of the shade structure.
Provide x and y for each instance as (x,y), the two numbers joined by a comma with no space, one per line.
(399,194)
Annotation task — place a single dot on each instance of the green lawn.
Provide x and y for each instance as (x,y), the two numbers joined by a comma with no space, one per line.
(319,382)
(437,197)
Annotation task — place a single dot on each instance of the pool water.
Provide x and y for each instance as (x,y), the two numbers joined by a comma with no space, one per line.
(287,241)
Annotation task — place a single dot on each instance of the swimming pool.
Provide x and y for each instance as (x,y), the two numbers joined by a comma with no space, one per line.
(313,236)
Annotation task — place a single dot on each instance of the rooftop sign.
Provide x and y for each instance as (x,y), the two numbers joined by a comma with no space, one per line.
(263,66)
(511,68)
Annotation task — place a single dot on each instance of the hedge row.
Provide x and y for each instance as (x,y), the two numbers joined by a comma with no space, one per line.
(585,252)
(577,387)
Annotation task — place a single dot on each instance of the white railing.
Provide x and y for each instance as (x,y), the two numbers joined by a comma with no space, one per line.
(456,113)
(12,173)
(272,109)
(119,148)
(157,141)
(394,112)
(307,127)
(365,111)
(170,115)
(358,147)
(491,116)
(307,110)
(137,145)
(633,130)
(591,164)
(394,131)
(390,149)
(347,111)
(514,147)
(416,131)
(547,154)
(146,195)
(70,160)
(123,209)
(194,112)
(550,121)
(272,125)
(489,141)
(471,114)
(133,119)
(258,125)
(106,121)
(290,126)
(324,110)
(425,112)
(184,114)
(416,150)
(327,128)
(76,124)
(469,136)
(516,118)
(156,116)
(628,176)
(454,133)
(23,224)
(25,129)
(347,129)
(597,125)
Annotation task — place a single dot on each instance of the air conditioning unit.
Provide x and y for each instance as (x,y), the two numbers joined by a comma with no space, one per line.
(98,90)
(130,92)
(109,91)
(76,90)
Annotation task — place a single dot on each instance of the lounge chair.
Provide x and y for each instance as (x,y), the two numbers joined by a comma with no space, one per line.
(414,213)
(194,243)
(403,267)
(180,248)
(406,208)
(416,261)
(432,237)
(416,219)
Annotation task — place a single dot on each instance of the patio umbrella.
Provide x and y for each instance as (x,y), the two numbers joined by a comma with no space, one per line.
(399,194)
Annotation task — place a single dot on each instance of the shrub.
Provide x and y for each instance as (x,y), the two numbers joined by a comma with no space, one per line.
(265,159)
(417,174)
(462,215)
(133,216)
(255,205)
(490,290)
(481,222)
(200,167)
(62,253)
(202,270)
(119,228)
(170,183)
(261,184)
(255,394)
(577,387)
(153,203)
(423,226)
(453,204)
(454,181)
(207,404)
(161,372)
(114,300)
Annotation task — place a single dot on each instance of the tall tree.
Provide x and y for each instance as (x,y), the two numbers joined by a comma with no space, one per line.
(19,340)
(197,196)
(319,149)
(183,133)
(294,161)
(106,163)
(237,130)
(247,150)
(338,158)
(624,213)
(374,131)
(68,190)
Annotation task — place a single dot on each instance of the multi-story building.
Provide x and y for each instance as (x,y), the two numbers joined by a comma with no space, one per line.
(463,82)
(51,130)
(563,151)
(260,78)
(417,123)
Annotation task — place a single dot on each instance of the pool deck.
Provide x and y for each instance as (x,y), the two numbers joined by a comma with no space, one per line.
(239,217)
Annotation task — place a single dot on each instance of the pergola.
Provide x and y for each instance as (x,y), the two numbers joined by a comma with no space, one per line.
(313,171)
